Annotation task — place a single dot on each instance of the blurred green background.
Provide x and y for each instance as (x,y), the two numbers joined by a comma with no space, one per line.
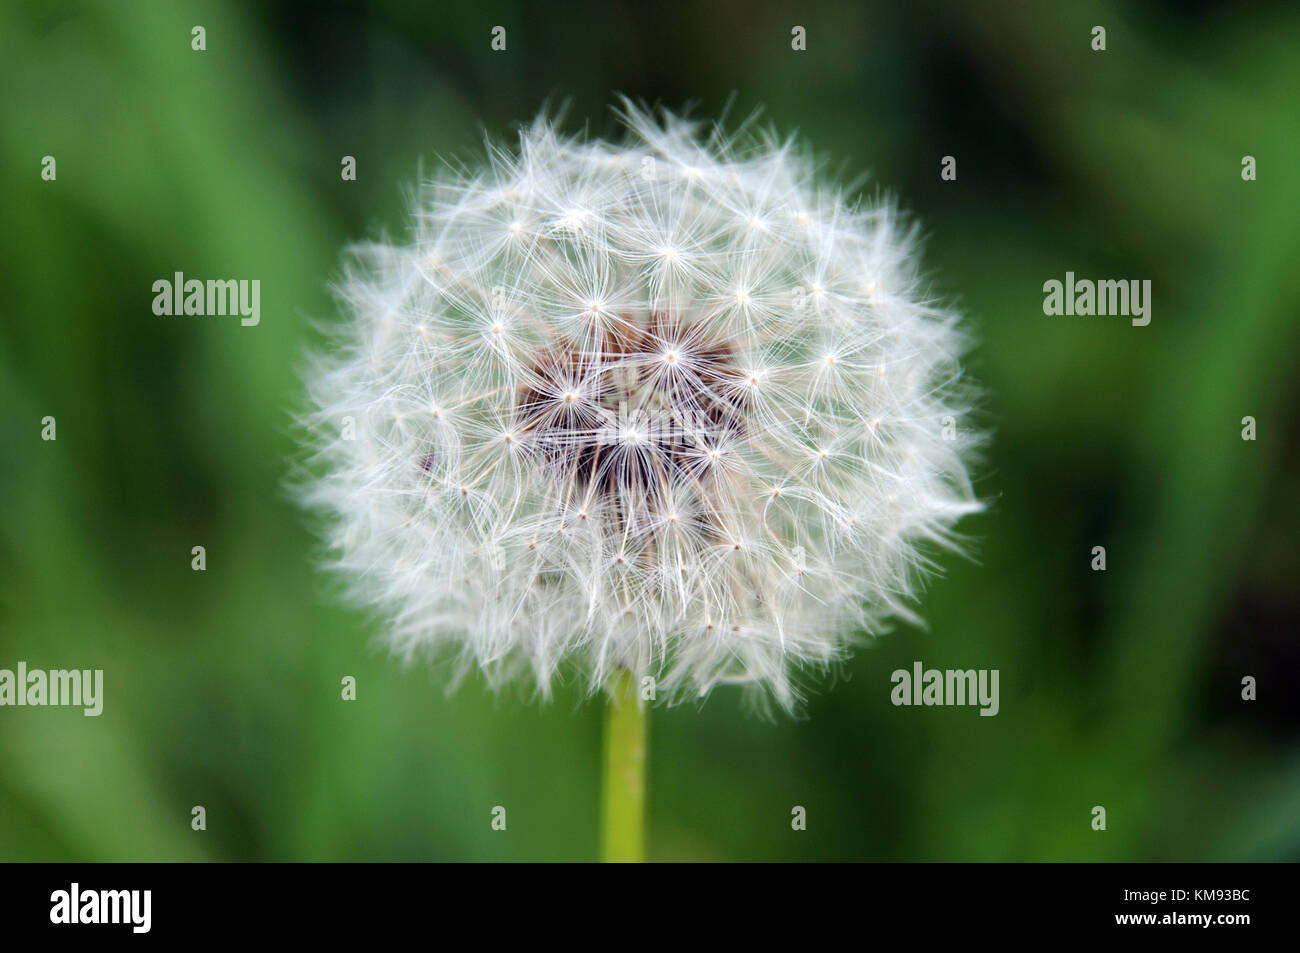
(1119,689)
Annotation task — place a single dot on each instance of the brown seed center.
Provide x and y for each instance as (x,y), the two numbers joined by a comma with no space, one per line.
(636,418)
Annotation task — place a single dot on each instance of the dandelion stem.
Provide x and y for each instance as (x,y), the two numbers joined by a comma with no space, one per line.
(623,797)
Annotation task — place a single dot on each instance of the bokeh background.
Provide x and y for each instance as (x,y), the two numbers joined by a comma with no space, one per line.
(1119,688)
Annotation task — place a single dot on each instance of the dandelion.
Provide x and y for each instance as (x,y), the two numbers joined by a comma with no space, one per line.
(666,413)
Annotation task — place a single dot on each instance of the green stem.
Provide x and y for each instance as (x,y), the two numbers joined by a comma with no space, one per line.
(623,797)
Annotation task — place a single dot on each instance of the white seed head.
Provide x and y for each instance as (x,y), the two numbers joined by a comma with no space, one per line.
(681,417)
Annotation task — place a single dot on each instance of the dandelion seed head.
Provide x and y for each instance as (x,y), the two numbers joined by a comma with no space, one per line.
(598,423)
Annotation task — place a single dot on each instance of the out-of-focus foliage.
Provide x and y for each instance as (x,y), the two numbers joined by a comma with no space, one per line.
(1119,689)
